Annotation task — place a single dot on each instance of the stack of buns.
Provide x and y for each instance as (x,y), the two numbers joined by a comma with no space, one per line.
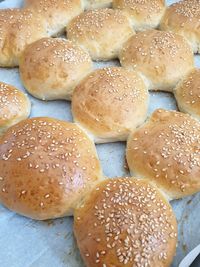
(50,168)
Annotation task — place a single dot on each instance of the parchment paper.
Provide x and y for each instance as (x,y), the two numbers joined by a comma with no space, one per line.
(28,243)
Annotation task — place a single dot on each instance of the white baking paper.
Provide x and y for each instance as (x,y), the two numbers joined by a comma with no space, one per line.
(28,243)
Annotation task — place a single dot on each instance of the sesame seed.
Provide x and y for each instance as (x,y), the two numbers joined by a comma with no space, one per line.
(129,229)
(177,153)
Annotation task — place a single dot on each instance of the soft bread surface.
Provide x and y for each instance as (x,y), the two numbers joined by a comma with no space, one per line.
(109,103)
(51,68)
(93,4)
(187,94)
(162,57)
(144,14)
(14,106)
(166,151)
(102,32)
(57,13)
(18,28)
(47,167)
(129,223)
(183,18)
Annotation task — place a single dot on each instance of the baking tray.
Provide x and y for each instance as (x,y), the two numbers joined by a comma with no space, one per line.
(28,243)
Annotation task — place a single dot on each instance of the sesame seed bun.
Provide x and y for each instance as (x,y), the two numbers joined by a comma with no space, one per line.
(99,30)
(144,14)
(109,103)
(93,4)
(129,224)
(166,151)
(14,106)
(162,57)
(47,167)
(184,18)
(51,68)
(18,28)
(57,14)
(187,94)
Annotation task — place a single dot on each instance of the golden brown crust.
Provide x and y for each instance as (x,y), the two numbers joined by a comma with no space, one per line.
(57,14)
(99,30)
(47,167)
(110,103)
(187,94)
(51,68)
(166,151)
(144,14)
(14,106)
(18,28)
(93,4)
(162,57)
(129,224)
(183,18)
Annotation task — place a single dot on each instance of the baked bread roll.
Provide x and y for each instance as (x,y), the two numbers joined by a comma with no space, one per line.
(99,30)
(92,4)
(144,14)
(109,103)
(14,106)
(51,67)
(56,13)
(47,167)
(18,28)
(162,57)
(183,18)
(187,94)
(129,223)
(166,151)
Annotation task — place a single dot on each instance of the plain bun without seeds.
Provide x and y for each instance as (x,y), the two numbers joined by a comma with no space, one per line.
(47,167)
